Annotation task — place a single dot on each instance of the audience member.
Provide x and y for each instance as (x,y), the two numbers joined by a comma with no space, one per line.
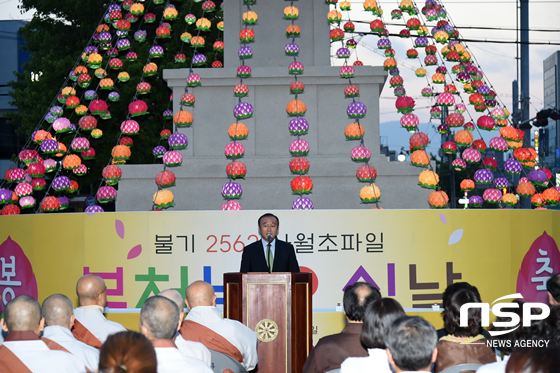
(159,321)
(411,345)
(534,360)
(379,316)
(549,328)
(204,323)
(332,350)
(192,349)
(59,319)
(463,344)
(91,326)
(507,341)
(127,352)
(449,291)
(23,351)
(553,287)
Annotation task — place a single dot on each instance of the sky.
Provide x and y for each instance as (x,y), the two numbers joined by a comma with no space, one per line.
(498,61)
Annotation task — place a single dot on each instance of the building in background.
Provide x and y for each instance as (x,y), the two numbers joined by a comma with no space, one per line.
(549,136)
(13,58)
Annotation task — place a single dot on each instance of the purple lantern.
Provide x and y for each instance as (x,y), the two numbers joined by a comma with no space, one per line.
(538,178)
(243,110)
(302,203)
(231,189)
(483,176)
(246,52)
(291,49)
(501,182)
(159,151)
(177,141)
(476,201)
(299,126)
(356,110)
(93,209)
(61,183)
(513,167)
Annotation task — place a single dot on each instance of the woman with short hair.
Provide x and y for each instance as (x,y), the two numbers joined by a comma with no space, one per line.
(462,345)
(379,316)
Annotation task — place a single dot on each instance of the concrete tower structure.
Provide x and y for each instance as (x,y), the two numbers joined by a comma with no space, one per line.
(267,157)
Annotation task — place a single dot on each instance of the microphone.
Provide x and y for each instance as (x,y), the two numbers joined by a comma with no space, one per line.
(269,238)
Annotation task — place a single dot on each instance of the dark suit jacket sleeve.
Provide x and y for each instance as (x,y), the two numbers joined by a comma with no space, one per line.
(292,260)
(246,260)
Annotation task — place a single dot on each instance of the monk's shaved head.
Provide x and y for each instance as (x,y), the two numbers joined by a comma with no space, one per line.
(174,296)
(22,313)
(200,293)
(89,288)
(160,318)
(57,310)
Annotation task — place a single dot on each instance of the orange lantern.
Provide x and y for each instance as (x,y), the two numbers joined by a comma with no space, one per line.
(438,78)
(467,185)
(183,118)
(293,30)
(420,158)
(238,131)
(163,198)
(42,135)
(71,162)
(551,196)
(61,150)
(107,84)
(370,193)
(250,17)
(510,199)
(150,69)
(333,16)
(354,131)
(197,41)
(390,64)
(204,24)
(296,107)
(438,199)
(50,203)
(526,189)
(165,179)
(463,138)
(428,179)
(121,153)
(537,200)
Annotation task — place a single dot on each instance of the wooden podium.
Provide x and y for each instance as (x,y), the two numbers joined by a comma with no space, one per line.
(278,307)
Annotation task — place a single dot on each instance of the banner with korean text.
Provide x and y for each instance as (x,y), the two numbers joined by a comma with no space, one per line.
(411,255)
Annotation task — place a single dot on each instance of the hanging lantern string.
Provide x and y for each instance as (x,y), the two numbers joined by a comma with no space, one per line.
(361,130)
(68,151)
(181,108)
(243,42)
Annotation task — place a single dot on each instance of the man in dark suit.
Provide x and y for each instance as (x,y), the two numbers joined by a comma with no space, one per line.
(269,254)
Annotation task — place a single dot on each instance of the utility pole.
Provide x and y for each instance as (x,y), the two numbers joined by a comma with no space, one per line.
(525,126)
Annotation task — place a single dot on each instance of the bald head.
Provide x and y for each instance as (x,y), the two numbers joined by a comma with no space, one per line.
(159,318)
(58,310)
(174,296)
(91,290)
(200,293)
(21,314)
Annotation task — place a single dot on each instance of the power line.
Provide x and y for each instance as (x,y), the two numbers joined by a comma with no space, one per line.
(496,28)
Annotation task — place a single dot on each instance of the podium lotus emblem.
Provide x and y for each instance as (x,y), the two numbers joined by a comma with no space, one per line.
(267,330)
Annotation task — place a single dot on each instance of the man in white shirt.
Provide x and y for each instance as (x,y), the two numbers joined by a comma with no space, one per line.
(91,326)
(188,348)
(411,345)
(23,351)
(59,319)
(204,323)
(159,321)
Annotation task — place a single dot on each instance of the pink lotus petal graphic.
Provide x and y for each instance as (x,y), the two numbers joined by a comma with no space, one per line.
(455,237)
(119,227)
(443,218)
(134,252)
(541,261)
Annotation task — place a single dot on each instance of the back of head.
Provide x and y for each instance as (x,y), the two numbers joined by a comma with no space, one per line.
(455,287)
(412,341)
(515,335)
(174,296)
(160,316)
(200,293)
(549,328)
(452,314)
(379,316)
(23,313)
(356,299)
(57,310)
(553,287)
(534,360)
(127,352)
(89,288)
